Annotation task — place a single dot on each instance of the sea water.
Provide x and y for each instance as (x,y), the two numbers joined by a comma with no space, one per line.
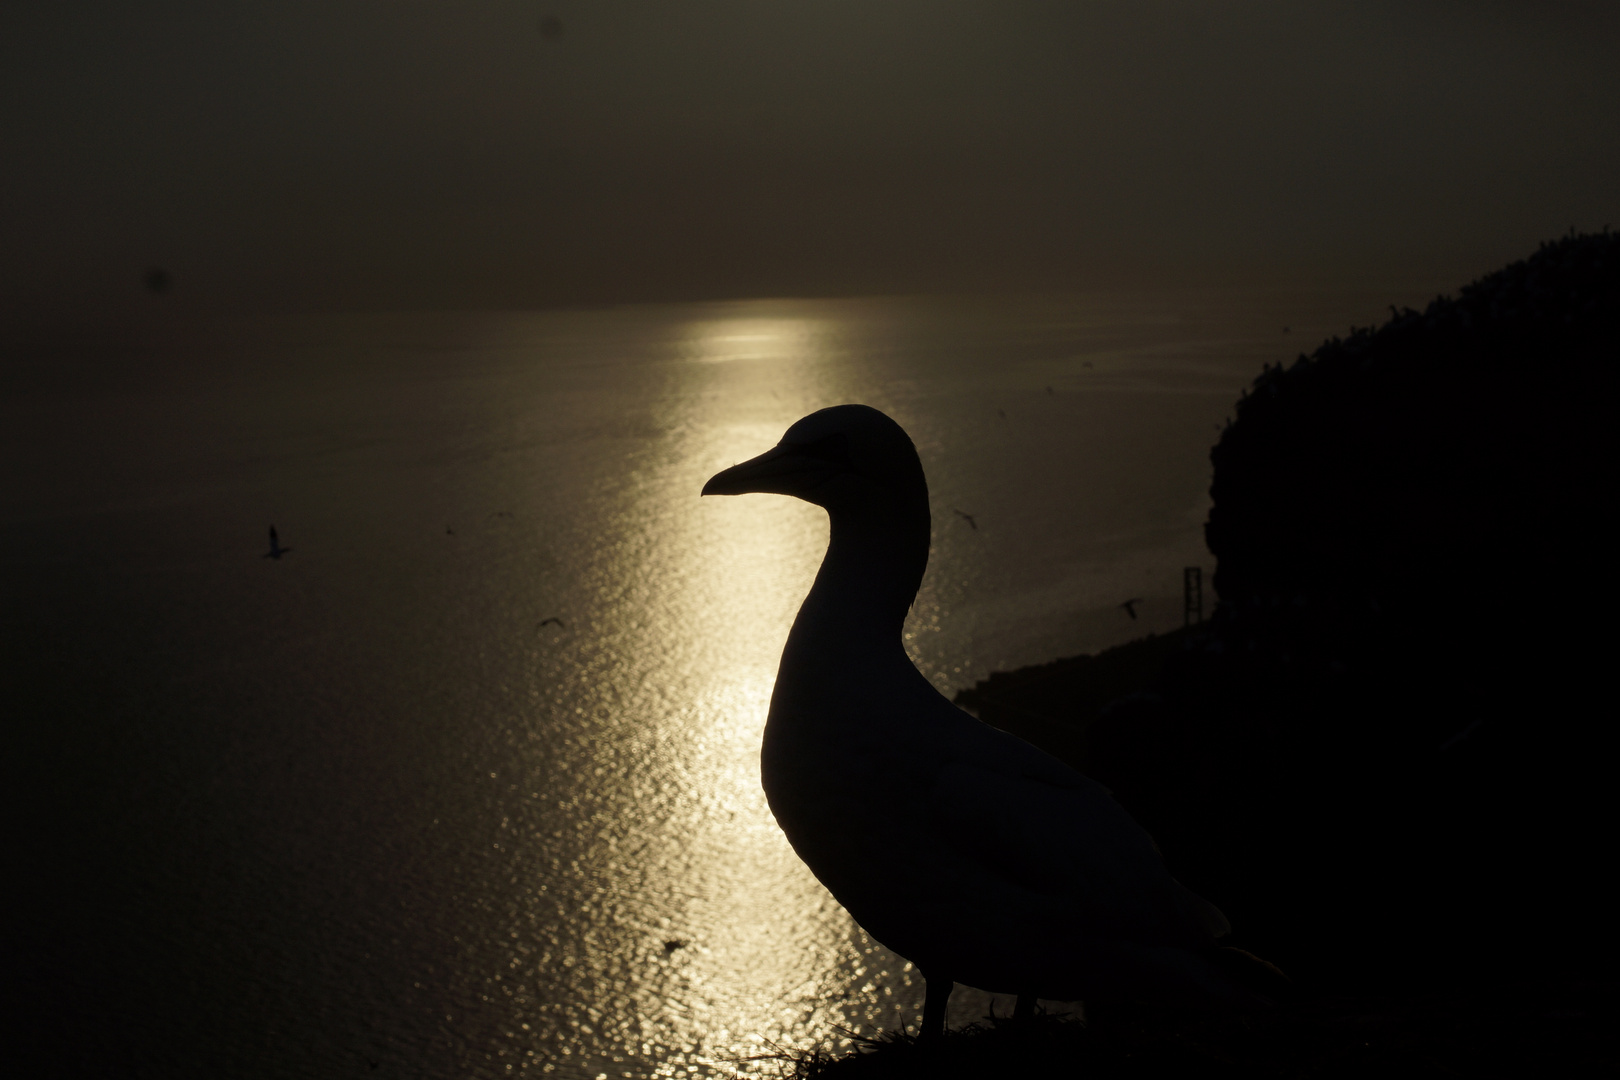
(465,784)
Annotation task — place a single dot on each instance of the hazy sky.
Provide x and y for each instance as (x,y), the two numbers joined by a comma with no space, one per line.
(401,153)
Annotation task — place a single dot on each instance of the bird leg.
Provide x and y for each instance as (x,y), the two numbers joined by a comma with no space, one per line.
(936,992)
(1025,1009)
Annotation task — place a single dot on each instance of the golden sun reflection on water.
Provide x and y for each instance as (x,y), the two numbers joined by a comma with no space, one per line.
(673,929)
(777,953)
(755,336)
(733,946)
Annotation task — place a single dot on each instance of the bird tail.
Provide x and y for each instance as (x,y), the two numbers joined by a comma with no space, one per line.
(1252,973)
(1205,914)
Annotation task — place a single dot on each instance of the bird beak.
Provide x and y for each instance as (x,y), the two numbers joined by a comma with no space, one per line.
(780,470)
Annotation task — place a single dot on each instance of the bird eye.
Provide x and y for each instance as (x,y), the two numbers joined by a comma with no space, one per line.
(832,449)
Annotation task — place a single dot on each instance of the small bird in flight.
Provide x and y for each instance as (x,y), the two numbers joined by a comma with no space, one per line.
(551,619)
(276,550)
(1130,606)
(974,525)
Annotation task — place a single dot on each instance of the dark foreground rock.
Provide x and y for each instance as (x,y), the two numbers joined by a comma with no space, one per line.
(1508,1031)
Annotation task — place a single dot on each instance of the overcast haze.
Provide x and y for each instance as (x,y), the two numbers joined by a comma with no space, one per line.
(400,154)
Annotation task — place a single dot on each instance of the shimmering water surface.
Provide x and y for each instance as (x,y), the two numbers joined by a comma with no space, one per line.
(362,811)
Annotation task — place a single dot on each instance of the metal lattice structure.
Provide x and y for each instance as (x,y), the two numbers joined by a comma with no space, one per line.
(1192,595)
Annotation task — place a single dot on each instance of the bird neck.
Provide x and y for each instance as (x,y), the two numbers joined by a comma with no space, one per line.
(867,582)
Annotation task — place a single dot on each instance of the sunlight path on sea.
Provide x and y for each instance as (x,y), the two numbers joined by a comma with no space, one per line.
(708,942)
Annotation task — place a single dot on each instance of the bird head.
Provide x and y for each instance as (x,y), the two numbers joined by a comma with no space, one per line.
(847,458)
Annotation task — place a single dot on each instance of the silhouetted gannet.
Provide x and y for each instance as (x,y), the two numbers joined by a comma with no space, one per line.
(964,849)
(1130,606)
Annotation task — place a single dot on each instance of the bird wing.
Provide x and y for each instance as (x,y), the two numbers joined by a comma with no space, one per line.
(1033,822)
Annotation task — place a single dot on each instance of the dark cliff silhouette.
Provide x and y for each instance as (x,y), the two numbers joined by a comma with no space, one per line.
(1387,755)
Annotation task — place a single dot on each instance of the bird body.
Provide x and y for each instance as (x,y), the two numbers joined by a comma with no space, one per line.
(975,855)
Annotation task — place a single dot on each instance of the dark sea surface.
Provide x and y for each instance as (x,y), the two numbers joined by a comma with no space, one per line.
(361,811)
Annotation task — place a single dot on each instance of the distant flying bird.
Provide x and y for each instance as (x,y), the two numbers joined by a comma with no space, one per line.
(552,619)
(448,531)
(672,944)
(966,850)
(974,525)
(1285,329)
(1049,390)
(276,550)
(1130,606)
(1461,736)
